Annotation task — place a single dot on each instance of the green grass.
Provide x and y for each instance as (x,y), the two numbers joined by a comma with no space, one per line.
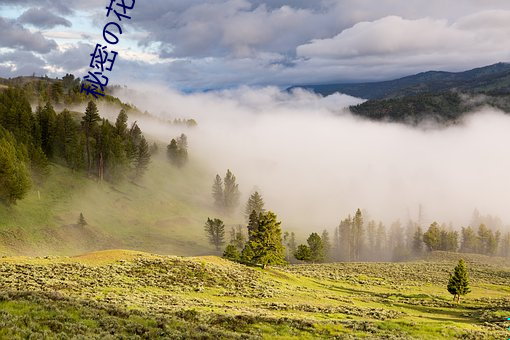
(138,295)
(164,213)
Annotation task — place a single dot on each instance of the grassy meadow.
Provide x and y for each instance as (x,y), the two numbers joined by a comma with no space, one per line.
(135,295)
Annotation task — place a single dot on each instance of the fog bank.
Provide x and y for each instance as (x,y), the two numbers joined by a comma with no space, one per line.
(315,163)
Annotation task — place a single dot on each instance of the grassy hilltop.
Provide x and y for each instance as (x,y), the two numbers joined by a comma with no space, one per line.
(138,295)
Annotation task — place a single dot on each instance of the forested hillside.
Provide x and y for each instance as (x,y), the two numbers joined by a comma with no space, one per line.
(443,97)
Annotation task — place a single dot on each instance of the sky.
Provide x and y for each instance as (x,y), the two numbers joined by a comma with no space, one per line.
(195,45)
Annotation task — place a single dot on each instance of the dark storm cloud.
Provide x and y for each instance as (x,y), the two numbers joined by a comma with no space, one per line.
(40,17)
(17,37)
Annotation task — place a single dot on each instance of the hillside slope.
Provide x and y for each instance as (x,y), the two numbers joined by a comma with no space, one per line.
(139,295)
(165,213)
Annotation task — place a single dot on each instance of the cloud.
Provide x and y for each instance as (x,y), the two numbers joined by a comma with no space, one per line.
(15,36)
(474,40)
(72,59)
(61,6)
(21,62)
(42,18)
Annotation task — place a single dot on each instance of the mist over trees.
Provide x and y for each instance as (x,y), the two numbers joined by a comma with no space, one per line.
(357,240)
(177,151)
(226,193)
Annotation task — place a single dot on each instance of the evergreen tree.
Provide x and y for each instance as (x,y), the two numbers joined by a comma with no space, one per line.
(432,237)
(316,247)
(215,231)
(255,203)
(458,284)
(345,231)
(303,253)
(247,254)
(46,119)
(232,253)
(381,240)
(67,140)
(266,241)
(217,193)
(121,124)
(326,243)
(371,237)
(357,235)
(231,192)
(505,245)
(177,151)
(14,176)
(470,243)
(418,241)
(237,237)
(143,158)
(89,122)
(81,221)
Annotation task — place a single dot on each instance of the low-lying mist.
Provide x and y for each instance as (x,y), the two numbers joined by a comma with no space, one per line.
(315,163)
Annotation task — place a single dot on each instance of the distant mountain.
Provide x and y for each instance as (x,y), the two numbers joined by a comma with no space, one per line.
(493,79)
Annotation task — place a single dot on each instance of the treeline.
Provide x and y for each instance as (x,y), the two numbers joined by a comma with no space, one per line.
(62,92)
(357,240)
(30,140)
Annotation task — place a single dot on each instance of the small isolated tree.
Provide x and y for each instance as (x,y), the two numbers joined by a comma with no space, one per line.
(303,253)
(458,284)
(81,221)
(215,230)
(231,253)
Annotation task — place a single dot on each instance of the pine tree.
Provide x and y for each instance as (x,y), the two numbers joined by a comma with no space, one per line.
(255,203)
(326,243)
(316,247)
(289,239)
(121,126)
(266,241)
(303,253)
(418,241)
(237,237)
(345,233)
(215,231)
(81,221)
(231,192)
(470,243)
(89,122)
(247,254)
(217,193)
(432,237)
(232,253)
(143,158)
(357,234)
(458,284)
(14,175)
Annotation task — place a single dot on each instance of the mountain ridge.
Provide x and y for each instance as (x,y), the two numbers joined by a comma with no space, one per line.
(491,78)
